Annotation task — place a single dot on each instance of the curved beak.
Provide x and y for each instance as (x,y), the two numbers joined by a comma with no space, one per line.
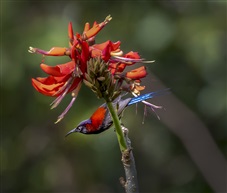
(72,131)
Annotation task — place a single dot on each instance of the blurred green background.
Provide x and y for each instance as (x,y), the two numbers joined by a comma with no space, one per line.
(187,39)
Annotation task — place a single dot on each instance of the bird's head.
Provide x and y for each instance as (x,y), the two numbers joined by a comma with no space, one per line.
(81,128)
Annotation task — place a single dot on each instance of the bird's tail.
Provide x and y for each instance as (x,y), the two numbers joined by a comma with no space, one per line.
(148,96)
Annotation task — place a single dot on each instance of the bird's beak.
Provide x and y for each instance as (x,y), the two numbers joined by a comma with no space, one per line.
(72,131)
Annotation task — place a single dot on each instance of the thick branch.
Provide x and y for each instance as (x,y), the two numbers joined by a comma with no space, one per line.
(131,183)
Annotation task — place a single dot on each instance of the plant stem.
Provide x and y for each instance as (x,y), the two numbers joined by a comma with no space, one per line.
(131,182)
(116,121)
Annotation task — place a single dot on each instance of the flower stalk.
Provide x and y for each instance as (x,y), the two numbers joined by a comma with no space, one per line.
(117,125)
(131,183)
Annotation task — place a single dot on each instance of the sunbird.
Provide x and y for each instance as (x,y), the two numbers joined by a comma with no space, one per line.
(101,119)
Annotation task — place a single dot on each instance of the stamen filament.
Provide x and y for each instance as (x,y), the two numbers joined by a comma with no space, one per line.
(123,59)
(60,117)
(57,101)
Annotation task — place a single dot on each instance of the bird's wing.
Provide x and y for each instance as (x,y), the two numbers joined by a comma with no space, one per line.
(120,106)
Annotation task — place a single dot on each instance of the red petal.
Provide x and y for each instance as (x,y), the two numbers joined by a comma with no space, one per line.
(133,55)
(137,73)
(59,70)
(104,49)
(86,27)
(96,53)
(57,51)
(70,31)
(113,45)
(117,67)
(106,53)
(112,67)
(85,54)
(100,46)
(95,29)
(95,23)
(52,80)
(48,90)
(121,67)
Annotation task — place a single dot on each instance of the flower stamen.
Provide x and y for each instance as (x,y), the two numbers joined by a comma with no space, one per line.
(107,19)
(66,87)
(123,59)
(74,96)
(32,50)
(60,117)
(116,53)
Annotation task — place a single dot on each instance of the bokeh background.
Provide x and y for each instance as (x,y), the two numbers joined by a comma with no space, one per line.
(184,151)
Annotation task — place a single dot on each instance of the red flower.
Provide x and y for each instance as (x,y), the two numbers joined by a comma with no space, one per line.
(104,50)
(67,78)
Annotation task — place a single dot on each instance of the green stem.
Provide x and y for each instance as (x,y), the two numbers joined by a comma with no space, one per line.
(117,124)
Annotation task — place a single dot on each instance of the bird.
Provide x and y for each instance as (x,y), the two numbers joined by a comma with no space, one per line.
(101,119)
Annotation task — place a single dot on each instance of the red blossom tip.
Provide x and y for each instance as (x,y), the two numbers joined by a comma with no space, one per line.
(86,27)
(95,29)
(70,32)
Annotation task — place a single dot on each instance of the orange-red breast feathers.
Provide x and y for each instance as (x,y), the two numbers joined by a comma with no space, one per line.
(97,119)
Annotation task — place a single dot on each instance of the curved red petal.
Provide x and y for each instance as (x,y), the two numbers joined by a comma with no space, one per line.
(116,67)
(70,31)
(132,55)
(121,67)
(137,73)
(112,67)
(59,70)
(113,45)
(100,46)
(85,54)
(67,68)
(45,89)
(106,53)
(52,80)
(51,70)
(104,49)
(95,28)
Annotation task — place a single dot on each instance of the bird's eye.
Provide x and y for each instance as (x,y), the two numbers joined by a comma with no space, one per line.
(79,129)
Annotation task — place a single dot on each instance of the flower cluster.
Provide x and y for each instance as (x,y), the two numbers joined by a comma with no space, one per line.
(68,77)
